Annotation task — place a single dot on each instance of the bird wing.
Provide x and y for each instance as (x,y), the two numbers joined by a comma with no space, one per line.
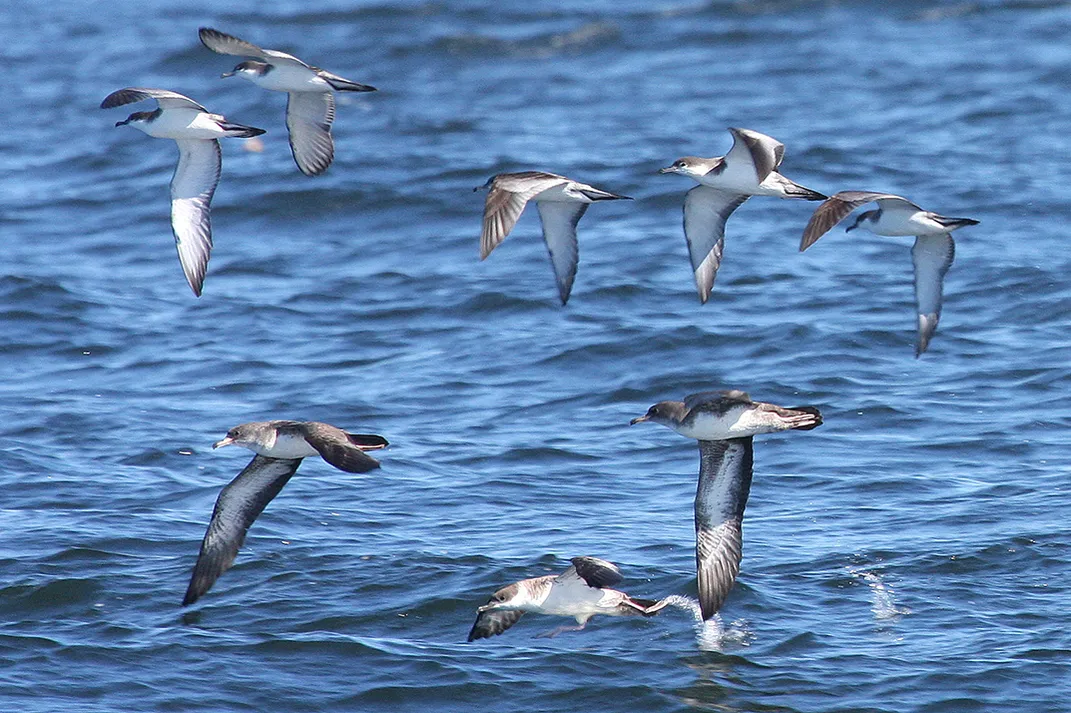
(705,212)
(308,118)
(932,255)
(716,401)
(835,209)
(596,572)
(335,447)
(195,180)
(493,622)
(559,231)
(223,43)
(166,99)
(238,505)
(763,152)
(724,483)
(508,195)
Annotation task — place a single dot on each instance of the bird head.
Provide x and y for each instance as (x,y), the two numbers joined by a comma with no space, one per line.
(663,412)
(250,69)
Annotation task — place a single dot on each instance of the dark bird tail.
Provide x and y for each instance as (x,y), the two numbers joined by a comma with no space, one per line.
(953,223)
(647,607)
(367,441)
(240,131)
(798,191)
(813,418)
(341,84)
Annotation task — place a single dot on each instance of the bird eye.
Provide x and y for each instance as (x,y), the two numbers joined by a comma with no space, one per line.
(679,164)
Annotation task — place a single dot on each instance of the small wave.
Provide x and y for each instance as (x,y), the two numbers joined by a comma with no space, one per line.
(882,601)
(712,634)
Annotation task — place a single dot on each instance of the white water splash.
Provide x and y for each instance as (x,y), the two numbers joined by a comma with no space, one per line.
(882,601)
(712,634)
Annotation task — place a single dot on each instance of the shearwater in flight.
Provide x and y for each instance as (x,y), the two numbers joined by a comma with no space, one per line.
(724,423)
(932,253)
(280,447)
(196,131)
(725,182)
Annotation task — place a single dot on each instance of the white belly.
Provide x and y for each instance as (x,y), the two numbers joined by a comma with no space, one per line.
(737,423)
(288,446)
(183,124)
(573,599)
(286,78)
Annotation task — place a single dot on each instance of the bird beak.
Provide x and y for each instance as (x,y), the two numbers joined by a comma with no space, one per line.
(851,227)
(226,74)
(124,122)
(638,419)
(481,610)
(667,169)
(225,442)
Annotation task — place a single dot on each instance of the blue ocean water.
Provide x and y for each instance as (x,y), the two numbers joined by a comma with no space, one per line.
(912,554)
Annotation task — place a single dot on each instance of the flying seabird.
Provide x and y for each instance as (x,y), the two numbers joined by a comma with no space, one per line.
(196,131)
(310,107)
(932,253)
(561,202)
(280,447)
(724,423)
(749,169)
(582,591)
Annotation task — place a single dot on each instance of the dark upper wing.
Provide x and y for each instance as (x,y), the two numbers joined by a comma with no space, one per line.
(597,572)
(766,152)
(716,400)
(835,209)
(335,447)
(492,623)
(223,43)
(724,483)
(165,98)
(238,505)
(508,195)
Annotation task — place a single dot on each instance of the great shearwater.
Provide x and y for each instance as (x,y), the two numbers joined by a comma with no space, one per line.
(932,253)
(561,202)
(196,131)
(749,169)
(582,591)
(280,447)
(310,108)
(724,423)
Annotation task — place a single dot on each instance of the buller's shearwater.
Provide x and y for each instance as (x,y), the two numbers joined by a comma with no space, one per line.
(310,107)
(561,202)
(582,591)
(280,447)
(196,131)
(724,423)
(749,169)
(932,253)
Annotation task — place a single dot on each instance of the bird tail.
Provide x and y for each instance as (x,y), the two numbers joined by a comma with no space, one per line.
(647,607)
(240,131)
(597,195)
(808,417)
(367,441)
(953,223)
(342,84)
(795,190)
